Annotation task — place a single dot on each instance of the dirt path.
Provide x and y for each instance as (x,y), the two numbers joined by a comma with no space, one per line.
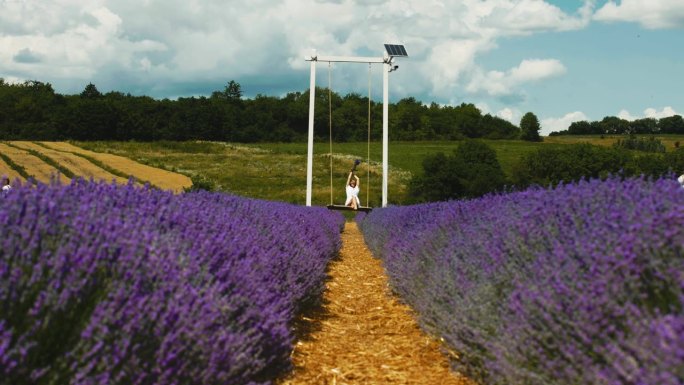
(362,334)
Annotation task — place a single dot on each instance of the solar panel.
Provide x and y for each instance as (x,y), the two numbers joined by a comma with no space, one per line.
(395,50)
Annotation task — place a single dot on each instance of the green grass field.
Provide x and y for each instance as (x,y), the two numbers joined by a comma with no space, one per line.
(277,171)
(408,156)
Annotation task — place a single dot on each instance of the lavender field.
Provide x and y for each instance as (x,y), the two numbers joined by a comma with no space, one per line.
(581,284)
(102,284)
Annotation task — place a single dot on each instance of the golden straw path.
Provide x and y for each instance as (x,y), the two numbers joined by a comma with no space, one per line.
(363,334)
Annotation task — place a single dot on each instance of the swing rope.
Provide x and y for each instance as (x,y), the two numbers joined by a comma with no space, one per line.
(330,128)
(369,137)
(330,133)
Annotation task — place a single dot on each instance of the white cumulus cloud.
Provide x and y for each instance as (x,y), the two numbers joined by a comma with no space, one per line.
(651,14)
(649,113)
(512,115)
(549,125)
(497,83)
(529,16)
(159,45)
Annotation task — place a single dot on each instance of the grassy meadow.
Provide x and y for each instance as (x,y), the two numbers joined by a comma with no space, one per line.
(278,170)
(407,156)
(273,171)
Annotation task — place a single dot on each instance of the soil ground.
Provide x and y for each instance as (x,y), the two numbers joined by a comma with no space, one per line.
(362,334)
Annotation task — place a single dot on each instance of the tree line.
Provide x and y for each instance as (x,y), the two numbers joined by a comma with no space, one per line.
(612,125)
(34,111)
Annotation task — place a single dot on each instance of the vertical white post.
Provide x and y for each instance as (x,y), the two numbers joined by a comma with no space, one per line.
(385,128)
(309,162)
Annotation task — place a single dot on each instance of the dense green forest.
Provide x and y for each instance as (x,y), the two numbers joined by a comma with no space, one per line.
(34,111)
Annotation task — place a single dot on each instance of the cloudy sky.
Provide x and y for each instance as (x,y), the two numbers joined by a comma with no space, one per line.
(564,60)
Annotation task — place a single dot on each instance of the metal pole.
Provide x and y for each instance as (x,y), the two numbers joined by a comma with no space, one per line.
(309,162)
(385,129)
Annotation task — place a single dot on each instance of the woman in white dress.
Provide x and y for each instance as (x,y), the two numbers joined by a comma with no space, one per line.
(6,184)
(352,189)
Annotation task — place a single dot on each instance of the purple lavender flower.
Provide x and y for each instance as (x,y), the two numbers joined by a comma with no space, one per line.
(582,284)
(107,284)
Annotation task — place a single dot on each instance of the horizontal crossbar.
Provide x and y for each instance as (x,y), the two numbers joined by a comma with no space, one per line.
(348,59)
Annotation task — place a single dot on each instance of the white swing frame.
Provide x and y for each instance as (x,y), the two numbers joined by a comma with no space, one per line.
(387,61)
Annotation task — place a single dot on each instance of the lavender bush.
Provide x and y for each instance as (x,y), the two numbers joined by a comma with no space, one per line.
(104,284)
(582,284)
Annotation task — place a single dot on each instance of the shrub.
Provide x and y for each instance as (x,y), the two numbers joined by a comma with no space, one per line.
(550,166)
(653,165)
(582,284)
(201,183)
(641,144)
(675,161)
(473,170)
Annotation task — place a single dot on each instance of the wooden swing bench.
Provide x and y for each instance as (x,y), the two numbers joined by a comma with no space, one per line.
(349,208)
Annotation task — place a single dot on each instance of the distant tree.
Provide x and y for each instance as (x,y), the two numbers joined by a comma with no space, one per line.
(471,171)
(232,92)
(91,92)
(671,125)
(596,128)
(493,127)
(408,114)
(581,127)
(529,127)
(613,125)
(643,126)
(469,120)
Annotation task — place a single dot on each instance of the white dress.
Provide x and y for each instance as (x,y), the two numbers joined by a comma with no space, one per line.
(352,193)
(681,180)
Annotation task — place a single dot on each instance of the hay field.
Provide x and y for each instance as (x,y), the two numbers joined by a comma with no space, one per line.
(6,170)
(76,164)
(165,180)
(40,170)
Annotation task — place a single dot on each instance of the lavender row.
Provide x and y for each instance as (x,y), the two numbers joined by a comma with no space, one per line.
(582,284)
(104,284)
